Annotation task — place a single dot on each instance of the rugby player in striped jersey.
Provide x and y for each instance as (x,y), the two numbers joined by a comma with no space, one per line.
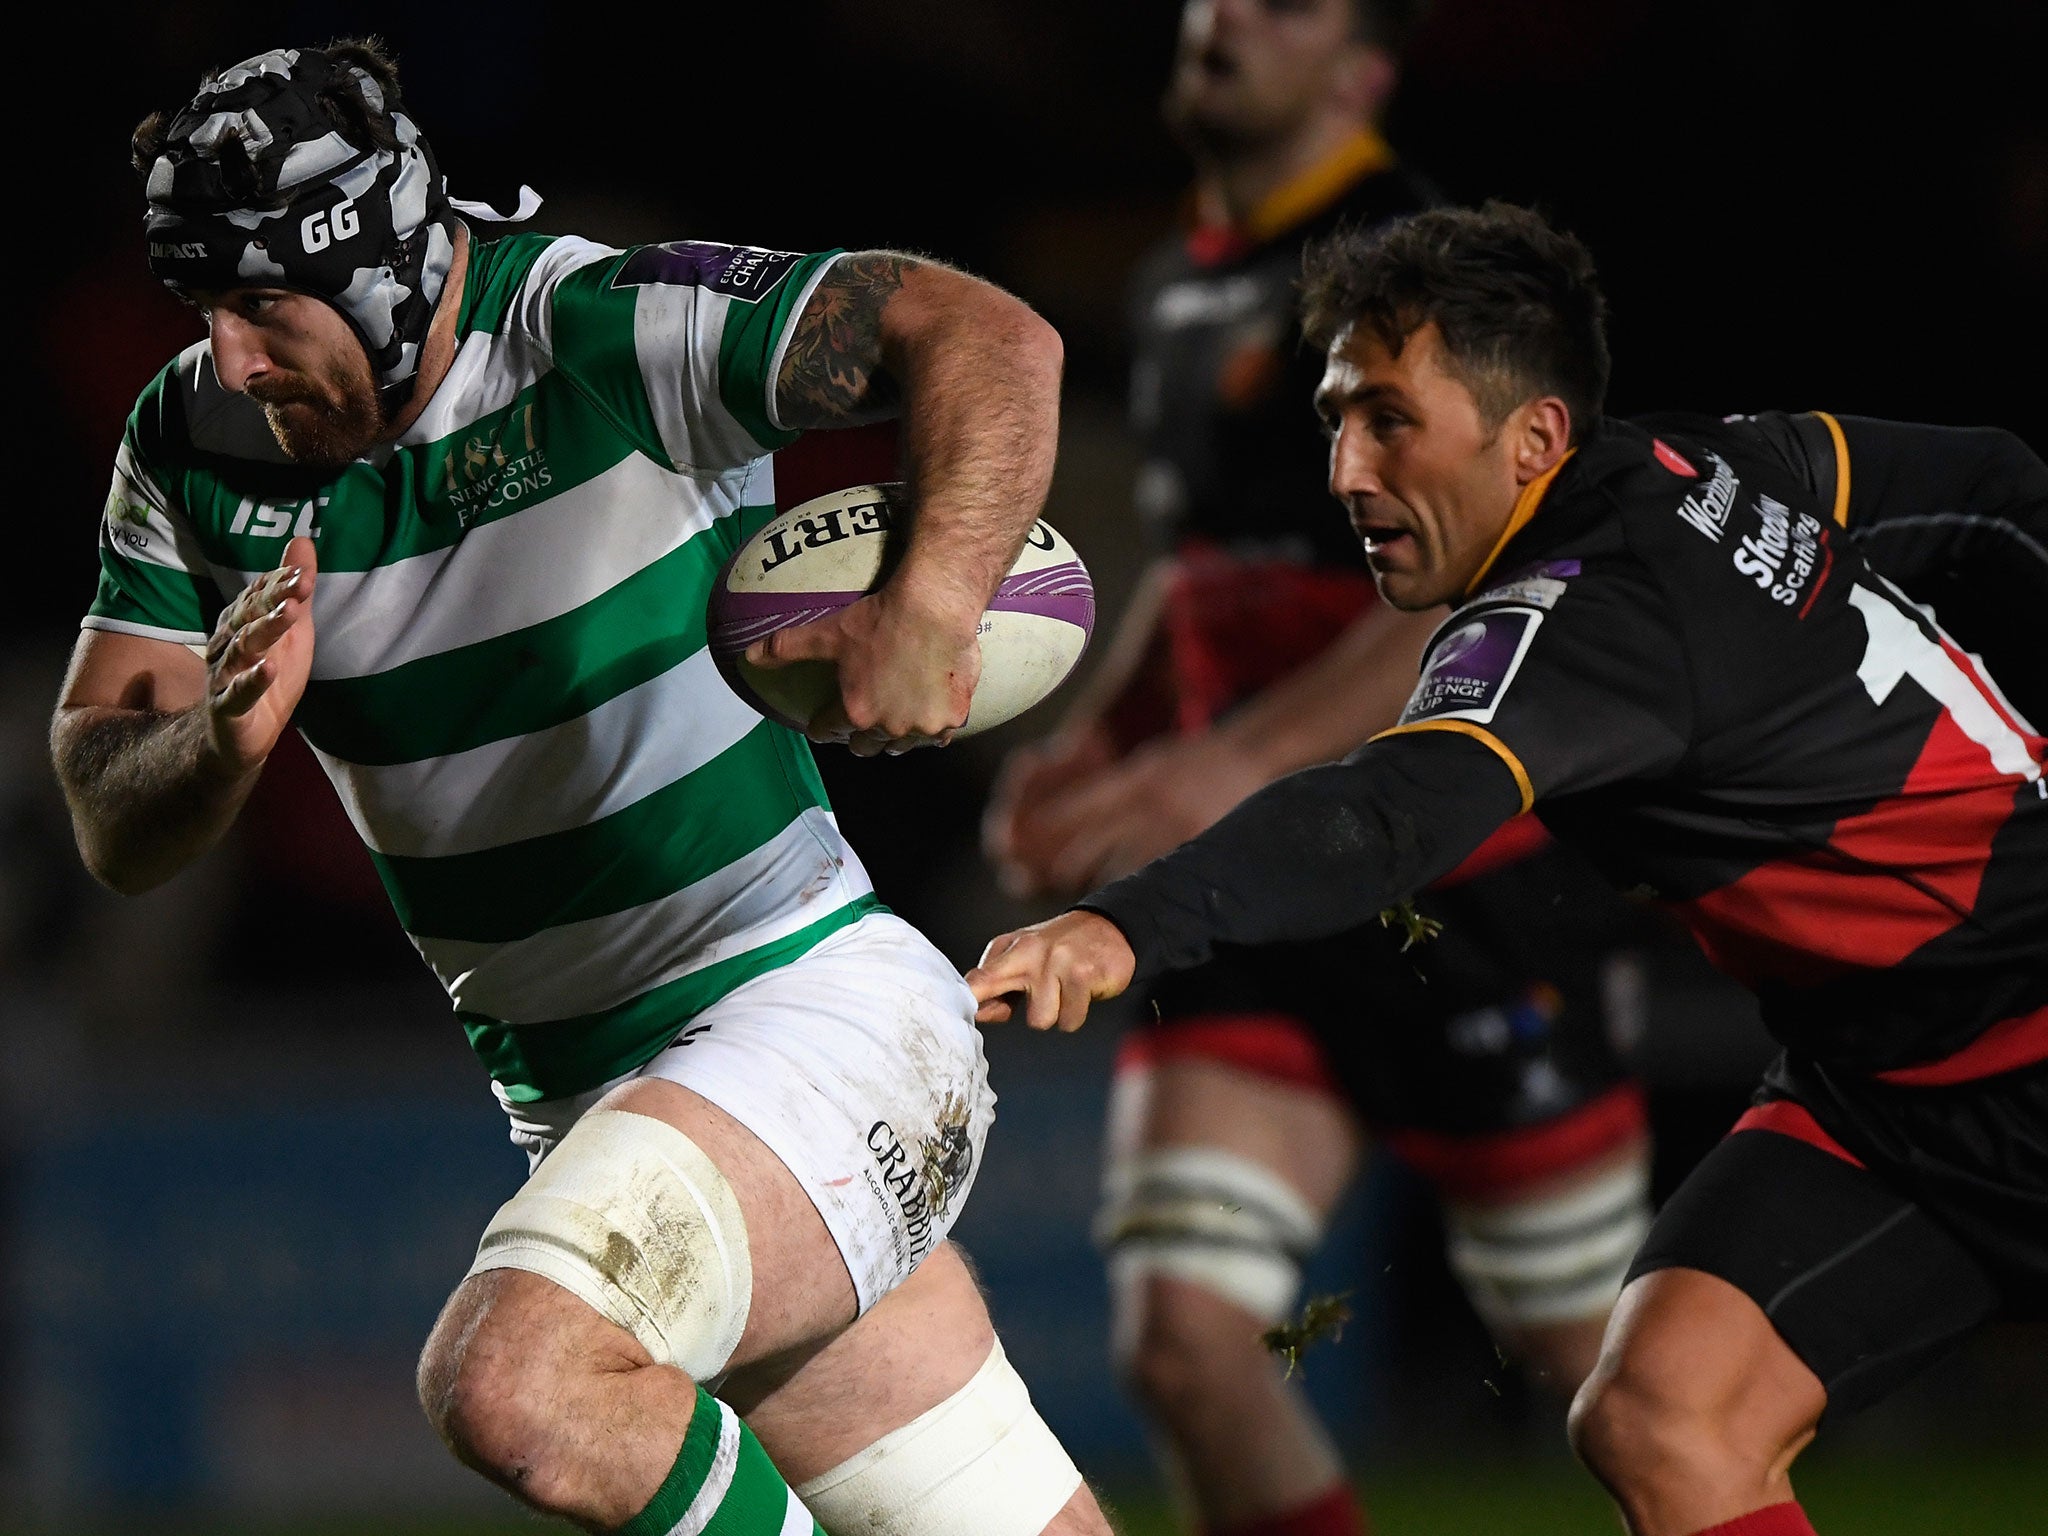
(453,507)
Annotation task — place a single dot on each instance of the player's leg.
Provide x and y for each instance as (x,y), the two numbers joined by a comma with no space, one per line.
(912,1421)
(776,1171)
(1228,1149)
(1782,1281)
(708,1244)
(1543,1262)
(1501,1081)
(1542,1212)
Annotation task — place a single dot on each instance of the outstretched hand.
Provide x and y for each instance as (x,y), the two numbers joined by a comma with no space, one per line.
(906,669)
(259,659)
(1053,969)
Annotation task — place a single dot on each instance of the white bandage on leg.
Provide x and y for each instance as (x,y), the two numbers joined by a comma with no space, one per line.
(627,1214)
(1555,1259)
(1213,1218)
(982,1463)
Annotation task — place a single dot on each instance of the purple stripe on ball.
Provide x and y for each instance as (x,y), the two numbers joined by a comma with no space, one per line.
(738,619)
(1061,592)
(1067,576)
(1078,610)
(732,606)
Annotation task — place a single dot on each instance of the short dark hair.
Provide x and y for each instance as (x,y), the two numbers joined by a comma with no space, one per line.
(346,107)
(1516,301)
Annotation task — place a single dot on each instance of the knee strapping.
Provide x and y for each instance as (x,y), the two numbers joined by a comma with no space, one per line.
(627,1214)
(1554,1259)
(981,1463)
(1212,1218)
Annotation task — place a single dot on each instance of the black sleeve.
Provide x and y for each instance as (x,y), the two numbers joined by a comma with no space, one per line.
(1906,469)
(1317,852)
(1553,683)
(1874,473)
(1955,517)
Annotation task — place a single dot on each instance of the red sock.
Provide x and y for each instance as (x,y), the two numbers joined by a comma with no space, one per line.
(1332,1514)
(1786,1519)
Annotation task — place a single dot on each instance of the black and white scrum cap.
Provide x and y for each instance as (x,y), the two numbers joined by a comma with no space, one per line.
(256,186)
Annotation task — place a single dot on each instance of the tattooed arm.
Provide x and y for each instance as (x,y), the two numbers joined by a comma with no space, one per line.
(974,374)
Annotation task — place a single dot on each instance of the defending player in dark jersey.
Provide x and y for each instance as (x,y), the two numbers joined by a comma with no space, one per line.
(1673,644)
(1247,1092)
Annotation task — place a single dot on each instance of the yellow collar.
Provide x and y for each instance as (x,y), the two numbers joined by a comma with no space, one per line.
(1525,508)
(1309,192)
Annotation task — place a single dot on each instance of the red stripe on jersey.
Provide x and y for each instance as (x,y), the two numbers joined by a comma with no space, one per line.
(1235,626)
(1508,843)
(1495,1164)
(1211,245)
(1274,1045)
(1794,1120)
(1827,564)
(2005,1047)
(1889,879)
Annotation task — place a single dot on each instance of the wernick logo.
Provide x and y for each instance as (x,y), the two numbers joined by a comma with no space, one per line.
(1707,508)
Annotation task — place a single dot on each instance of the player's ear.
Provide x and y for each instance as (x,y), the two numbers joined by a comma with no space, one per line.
(1541,434)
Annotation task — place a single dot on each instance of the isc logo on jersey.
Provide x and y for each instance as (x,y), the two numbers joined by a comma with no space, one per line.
(278,519)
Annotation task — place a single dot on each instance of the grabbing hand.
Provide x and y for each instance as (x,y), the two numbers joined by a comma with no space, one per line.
(1059,967)
(259,658)
(906,670)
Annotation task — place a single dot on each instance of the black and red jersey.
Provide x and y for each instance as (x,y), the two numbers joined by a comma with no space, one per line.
(1221,379)
(1683,657)
(1234,477)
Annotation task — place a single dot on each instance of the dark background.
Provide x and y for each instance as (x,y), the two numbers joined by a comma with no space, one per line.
(1794,205)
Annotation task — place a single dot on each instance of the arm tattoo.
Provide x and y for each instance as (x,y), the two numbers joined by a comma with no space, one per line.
(832,375)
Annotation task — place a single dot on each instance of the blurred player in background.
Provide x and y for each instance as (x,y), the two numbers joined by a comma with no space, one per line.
(1254,647)
(1699,645)
(453,507)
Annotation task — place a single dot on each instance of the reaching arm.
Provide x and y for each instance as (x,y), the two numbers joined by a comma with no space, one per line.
(1520,699)
(975,375)
(1317,852)
(156,749)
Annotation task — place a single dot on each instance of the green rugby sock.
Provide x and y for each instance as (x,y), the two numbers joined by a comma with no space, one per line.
(722,1484)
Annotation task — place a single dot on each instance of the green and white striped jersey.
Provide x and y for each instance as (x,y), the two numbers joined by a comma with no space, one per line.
(588,836)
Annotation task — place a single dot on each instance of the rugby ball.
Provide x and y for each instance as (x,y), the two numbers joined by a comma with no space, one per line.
(834,549)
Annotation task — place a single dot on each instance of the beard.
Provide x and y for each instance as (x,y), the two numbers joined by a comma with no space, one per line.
(326,421)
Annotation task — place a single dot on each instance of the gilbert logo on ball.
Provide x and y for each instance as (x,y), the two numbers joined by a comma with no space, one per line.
(834,549)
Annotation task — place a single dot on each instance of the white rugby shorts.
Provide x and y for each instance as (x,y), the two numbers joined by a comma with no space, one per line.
(860,1067)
